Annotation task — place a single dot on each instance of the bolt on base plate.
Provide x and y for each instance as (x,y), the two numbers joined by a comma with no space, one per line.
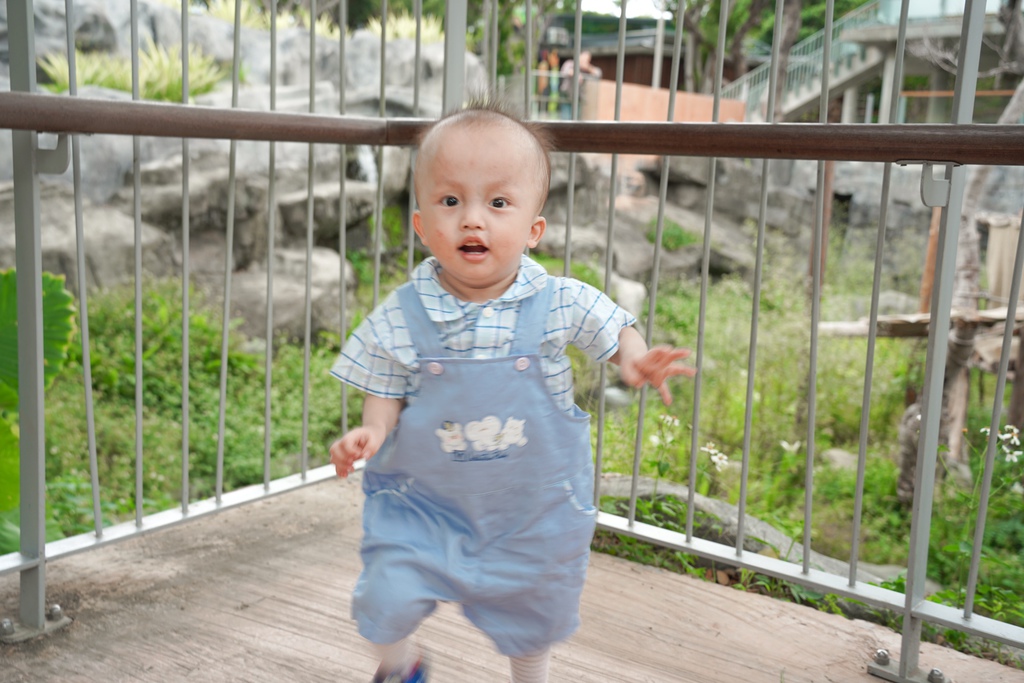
(22,633)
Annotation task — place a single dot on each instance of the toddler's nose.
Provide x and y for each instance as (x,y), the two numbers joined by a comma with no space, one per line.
(473,217)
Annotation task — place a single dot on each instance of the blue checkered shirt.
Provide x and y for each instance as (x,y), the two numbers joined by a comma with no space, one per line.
(380,358)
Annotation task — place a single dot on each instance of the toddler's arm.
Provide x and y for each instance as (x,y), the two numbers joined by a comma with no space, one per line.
(380,415)
(640,365)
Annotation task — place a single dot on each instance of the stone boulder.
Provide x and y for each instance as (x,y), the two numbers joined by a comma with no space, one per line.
(633,257)
(109,236)
(249,290)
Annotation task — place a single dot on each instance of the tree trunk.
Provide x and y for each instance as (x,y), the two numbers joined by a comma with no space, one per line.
(738,46)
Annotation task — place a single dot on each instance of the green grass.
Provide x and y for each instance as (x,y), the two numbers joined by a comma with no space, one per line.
(113,371)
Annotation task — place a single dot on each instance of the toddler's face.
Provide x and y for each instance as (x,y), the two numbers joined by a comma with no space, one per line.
(479,191)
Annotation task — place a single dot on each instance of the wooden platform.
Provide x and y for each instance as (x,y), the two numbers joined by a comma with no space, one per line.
(261,593)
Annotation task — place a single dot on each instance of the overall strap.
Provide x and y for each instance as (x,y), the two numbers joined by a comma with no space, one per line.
(533,318)
(422,329)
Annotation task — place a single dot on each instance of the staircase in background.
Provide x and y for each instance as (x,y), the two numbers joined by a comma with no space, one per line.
(849,65)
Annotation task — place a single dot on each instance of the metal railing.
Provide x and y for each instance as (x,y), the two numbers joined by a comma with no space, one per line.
(28,114)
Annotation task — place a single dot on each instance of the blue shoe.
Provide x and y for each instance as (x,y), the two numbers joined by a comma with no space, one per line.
(418,675)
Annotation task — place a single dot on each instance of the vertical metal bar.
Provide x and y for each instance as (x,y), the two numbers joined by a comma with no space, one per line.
(817,254)
(310,208)
(942,300)
(454,88)
(83,298)
(229,248)
(409,231)
(869,366)
(652,299)
(186,275)
(268,360)
(492,55)
(571,192)
(705,268)
(137,205)
(28,259)
(620,65)
(528,67)
(755,310)
(378,209)
(574,89)
(342,203)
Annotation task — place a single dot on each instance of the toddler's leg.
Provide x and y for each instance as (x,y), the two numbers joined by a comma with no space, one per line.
(397,658)
(531,669)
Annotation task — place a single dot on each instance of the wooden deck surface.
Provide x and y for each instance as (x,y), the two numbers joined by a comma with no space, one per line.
(261,593)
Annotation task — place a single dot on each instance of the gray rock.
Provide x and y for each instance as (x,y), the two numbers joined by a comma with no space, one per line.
(840,459)
(249,294)
(759,536)
(109,237)
(360,198)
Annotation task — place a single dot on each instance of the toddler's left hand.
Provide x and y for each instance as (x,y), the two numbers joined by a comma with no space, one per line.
(656,366)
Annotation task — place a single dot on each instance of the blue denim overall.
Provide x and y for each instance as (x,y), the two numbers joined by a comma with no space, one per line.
(483,496)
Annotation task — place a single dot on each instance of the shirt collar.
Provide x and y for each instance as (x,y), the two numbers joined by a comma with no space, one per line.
(531,278)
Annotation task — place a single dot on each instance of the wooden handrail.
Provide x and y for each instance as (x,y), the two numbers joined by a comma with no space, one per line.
(937,143)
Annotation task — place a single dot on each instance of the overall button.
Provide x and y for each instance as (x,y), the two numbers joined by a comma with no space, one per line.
(487,312)
(522,363)
(435,368)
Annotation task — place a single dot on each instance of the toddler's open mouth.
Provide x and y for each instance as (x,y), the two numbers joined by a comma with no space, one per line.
(473,249)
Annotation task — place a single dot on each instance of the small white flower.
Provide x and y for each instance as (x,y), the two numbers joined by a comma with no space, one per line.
(720,460)
(670,420)
(985,430)
(710,448)
(1017,488)
(654,440)
(1012,456)
(790,447)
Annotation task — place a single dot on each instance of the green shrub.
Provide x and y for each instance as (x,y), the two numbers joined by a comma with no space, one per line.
(159,72)
(673,235)
(404,26)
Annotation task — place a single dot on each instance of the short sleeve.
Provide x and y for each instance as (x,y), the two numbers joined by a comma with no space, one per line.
(378,357)
(595,320)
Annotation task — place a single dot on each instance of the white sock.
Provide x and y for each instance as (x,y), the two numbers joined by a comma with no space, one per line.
(531,669)
(398,657)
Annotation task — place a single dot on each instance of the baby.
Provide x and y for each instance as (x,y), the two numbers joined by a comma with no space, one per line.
(479,478)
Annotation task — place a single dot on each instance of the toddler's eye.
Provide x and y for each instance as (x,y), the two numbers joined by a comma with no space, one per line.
(449,201)
(499,203)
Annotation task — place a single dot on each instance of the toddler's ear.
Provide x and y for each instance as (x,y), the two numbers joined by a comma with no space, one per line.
(540,224)
(417,225)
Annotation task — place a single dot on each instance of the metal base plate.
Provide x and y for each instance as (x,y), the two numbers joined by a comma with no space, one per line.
(891,672)
(21,633)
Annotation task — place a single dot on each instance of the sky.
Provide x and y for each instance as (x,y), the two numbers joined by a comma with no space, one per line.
(634,8)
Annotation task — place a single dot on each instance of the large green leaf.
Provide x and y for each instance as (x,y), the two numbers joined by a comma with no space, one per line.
(58,328)
(10,532)
(8,467)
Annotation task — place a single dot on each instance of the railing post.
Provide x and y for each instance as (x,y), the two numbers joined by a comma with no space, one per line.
(28,257)
(455,26)
(942,301)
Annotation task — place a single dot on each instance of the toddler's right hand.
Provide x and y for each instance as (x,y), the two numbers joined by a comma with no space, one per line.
(360,443)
